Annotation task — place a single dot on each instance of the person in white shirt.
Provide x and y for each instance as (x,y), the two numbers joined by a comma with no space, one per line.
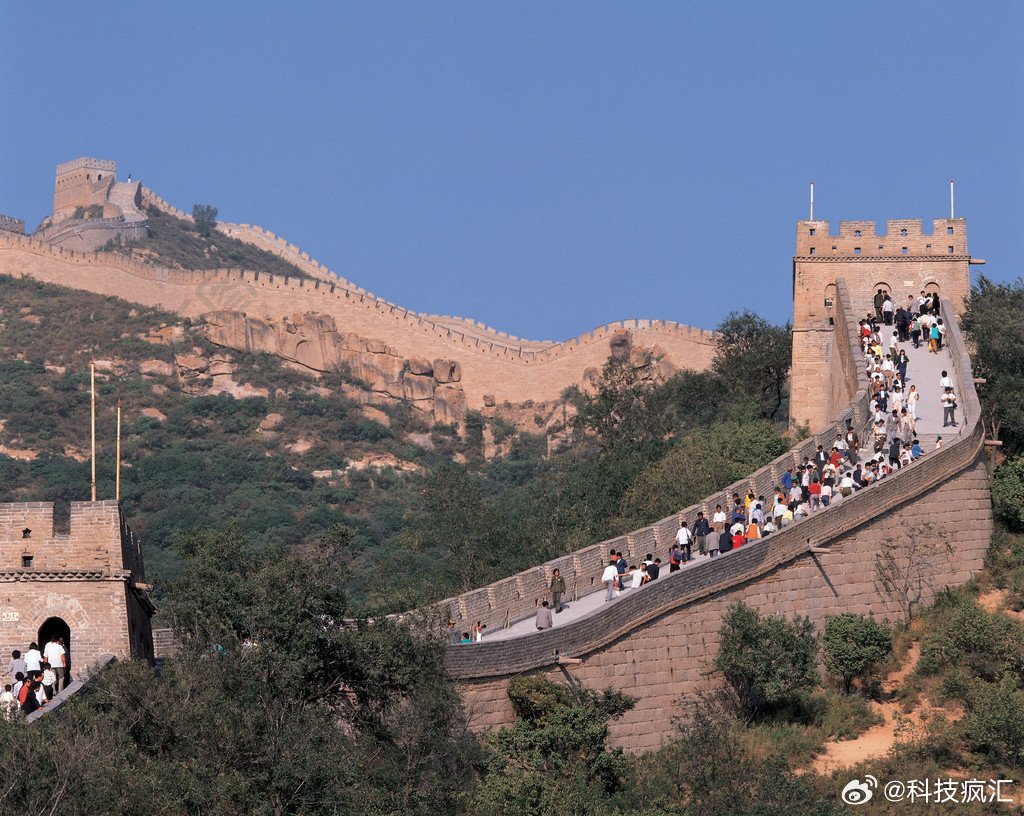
(610,576)
(912,397)
(948,400)
(636,578)
(49,678)
(718,519)
(33,659)
(55,655)
(945,382)
(684,538)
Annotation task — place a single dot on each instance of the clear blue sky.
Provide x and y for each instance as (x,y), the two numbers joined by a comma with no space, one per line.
(543,167)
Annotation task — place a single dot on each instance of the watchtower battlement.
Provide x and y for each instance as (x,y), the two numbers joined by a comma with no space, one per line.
(86,163)
(84,182)
(903,261)
(76,571)
(902,237)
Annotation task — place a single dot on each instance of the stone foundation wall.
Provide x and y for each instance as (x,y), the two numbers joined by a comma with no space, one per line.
(670,657)
(95,611)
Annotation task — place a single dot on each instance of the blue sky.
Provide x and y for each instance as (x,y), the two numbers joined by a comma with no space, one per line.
(542,167)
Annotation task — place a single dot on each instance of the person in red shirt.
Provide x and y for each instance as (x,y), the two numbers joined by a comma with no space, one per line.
(814,489)
(738,541)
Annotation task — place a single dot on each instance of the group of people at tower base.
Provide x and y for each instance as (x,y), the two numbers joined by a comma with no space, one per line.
(35,678)
(821,480)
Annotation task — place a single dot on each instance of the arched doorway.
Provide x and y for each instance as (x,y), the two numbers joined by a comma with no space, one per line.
(58,627)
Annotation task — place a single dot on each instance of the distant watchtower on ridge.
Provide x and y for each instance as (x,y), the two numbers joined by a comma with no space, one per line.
(82,183)
(903,261)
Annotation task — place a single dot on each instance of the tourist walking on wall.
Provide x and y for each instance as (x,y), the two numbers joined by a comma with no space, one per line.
(55,655)
(557,590)
(701,528)
(948,400)
(685,540)
(610,577)
(544,616)
(879,300)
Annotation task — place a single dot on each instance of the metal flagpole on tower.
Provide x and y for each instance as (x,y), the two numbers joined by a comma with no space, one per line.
(951,216)
(92,392)
(812,199)
(117,477)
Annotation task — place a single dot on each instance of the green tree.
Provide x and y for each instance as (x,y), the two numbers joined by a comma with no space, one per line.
(555,758)
(767,661)
(1008,493)
(752,359)
(992,323)
(854,645)
(702,462)
(205,218)
(995,722)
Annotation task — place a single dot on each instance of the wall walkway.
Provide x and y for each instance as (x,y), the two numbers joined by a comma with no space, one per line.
(658,643)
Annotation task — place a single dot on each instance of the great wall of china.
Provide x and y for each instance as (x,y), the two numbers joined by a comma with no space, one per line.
(657,643)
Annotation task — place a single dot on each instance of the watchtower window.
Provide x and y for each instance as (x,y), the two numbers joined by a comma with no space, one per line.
(949,250)
(904,250)
(856,233)
(903,232)
(856,250)
(949,230)
(26,533)
(812,250)
(99,177)
(87,177)
(813,232)
(829,303)
(26,561)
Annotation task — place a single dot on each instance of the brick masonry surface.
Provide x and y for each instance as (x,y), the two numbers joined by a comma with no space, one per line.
(84,571)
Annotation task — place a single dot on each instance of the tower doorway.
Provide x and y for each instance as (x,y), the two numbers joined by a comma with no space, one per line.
(60,628)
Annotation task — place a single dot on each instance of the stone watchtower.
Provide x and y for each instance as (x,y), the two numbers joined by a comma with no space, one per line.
(83,183)
(80,578)
(902,262)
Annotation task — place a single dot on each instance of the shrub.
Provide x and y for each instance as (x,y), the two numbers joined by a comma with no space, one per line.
(767,661)
(854,645)
(1008,493)
(205,218)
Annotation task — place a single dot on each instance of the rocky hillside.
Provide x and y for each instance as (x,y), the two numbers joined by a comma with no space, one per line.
(210,435)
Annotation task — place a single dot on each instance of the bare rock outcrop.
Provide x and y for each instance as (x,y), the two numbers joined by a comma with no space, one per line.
(381,375)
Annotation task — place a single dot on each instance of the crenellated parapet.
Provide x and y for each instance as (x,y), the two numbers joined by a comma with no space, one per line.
(901,238)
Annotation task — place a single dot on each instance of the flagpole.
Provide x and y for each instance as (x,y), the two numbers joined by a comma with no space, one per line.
(92,392)
(117,478)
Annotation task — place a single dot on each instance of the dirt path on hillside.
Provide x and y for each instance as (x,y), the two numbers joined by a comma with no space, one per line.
(877,740)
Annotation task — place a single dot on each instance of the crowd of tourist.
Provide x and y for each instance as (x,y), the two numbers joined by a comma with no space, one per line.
(35,677)
(827,477)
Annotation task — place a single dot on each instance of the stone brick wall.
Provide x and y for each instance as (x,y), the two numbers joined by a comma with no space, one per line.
(81,183)
(11,224)
(904,264)
(517,597)
(508,373)
(84,574)
(89,234)
(658,644)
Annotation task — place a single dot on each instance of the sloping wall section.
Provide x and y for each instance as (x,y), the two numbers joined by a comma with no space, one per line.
(500,367)
(659,644)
